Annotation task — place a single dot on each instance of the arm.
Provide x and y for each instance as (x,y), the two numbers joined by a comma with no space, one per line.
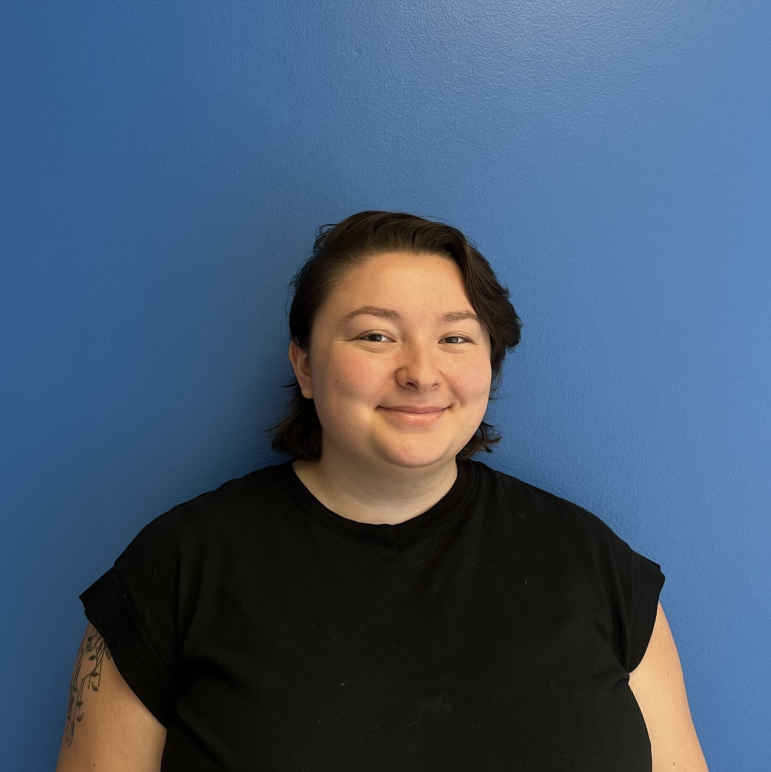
(107,727)
(657,684)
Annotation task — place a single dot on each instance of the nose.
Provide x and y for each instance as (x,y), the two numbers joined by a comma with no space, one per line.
(418,368)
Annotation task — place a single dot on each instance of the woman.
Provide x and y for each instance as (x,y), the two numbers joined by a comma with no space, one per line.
(382,601)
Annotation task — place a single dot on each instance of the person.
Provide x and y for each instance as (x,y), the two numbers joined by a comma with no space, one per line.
(382,600)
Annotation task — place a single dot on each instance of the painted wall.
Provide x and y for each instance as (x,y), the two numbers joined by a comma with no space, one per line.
(163,169)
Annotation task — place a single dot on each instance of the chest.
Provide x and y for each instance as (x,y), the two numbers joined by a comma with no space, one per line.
(500,666)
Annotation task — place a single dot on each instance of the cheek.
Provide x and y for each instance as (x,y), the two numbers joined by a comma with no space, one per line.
(473,382)
(351,376)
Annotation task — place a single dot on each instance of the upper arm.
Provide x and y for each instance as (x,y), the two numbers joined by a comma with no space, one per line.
(657,684)
(107,727)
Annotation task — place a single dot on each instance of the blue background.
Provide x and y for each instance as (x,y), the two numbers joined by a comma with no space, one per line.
(163,169)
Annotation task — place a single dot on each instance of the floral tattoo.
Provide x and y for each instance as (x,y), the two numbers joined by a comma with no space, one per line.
(86,675)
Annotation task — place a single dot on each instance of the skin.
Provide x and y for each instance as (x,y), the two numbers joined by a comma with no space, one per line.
(107,726)
(659,688)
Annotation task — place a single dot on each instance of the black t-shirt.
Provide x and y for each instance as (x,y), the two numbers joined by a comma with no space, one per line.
(495,631)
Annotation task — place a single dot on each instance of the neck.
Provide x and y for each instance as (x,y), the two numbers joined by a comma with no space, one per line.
(392,494)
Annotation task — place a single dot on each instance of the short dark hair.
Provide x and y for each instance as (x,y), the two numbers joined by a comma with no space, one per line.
(351,242)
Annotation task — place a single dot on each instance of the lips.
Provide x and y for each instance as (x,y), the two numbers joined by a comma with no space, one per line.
(413,409)
(425,418)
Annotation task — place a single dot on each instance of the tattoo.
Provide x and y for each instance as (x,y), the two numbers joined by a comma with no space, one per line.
(95,647)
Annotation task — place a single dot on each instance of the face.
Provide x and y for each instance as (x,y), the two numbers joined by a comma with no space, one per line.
(380,342)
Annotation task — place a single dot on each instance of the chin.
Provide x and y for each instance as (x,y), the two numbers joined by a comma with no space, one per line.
(416,457)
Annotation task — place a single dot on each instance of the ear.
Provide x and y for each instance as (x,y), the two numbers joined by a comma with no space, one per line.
(302,368)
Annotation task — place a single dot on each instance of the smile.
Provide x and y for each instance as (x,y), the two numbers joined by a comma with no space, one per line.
(414,419)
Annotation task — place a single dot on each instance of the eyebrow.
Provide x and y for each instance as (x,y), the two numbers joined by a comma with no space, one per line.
(388,313)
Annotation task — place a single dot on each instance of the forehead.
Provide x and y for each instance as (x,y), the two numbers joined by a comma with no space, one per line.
(403,278)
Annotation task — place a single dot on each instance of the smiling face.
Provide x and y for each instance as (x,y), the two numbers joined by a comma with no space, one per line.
(398,331)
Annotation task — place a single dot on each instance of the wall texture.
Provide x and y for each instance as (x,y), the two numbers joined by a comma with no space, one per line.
(164,167)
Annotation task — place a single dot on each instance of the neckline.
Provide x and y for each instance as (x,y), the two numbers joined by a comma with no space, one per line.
(383,534)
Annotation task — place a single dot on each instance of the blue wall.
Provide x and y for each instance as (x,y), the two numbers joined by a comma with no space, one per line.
(163,168)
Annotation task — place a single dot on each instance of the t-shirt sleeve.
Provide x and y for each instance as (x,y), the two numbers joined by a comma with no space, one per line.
(638,582)
(134,607)
(648,582)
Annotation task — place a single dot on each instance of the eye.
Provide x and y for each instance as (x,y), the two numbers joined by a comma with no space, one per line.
(461,338)
(372,334)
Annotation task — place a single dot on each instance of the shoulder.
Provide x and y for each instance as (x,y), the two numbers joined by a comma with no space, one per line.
(565,540)
(569,534)
(546,511)
(193,545)
(208,517)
